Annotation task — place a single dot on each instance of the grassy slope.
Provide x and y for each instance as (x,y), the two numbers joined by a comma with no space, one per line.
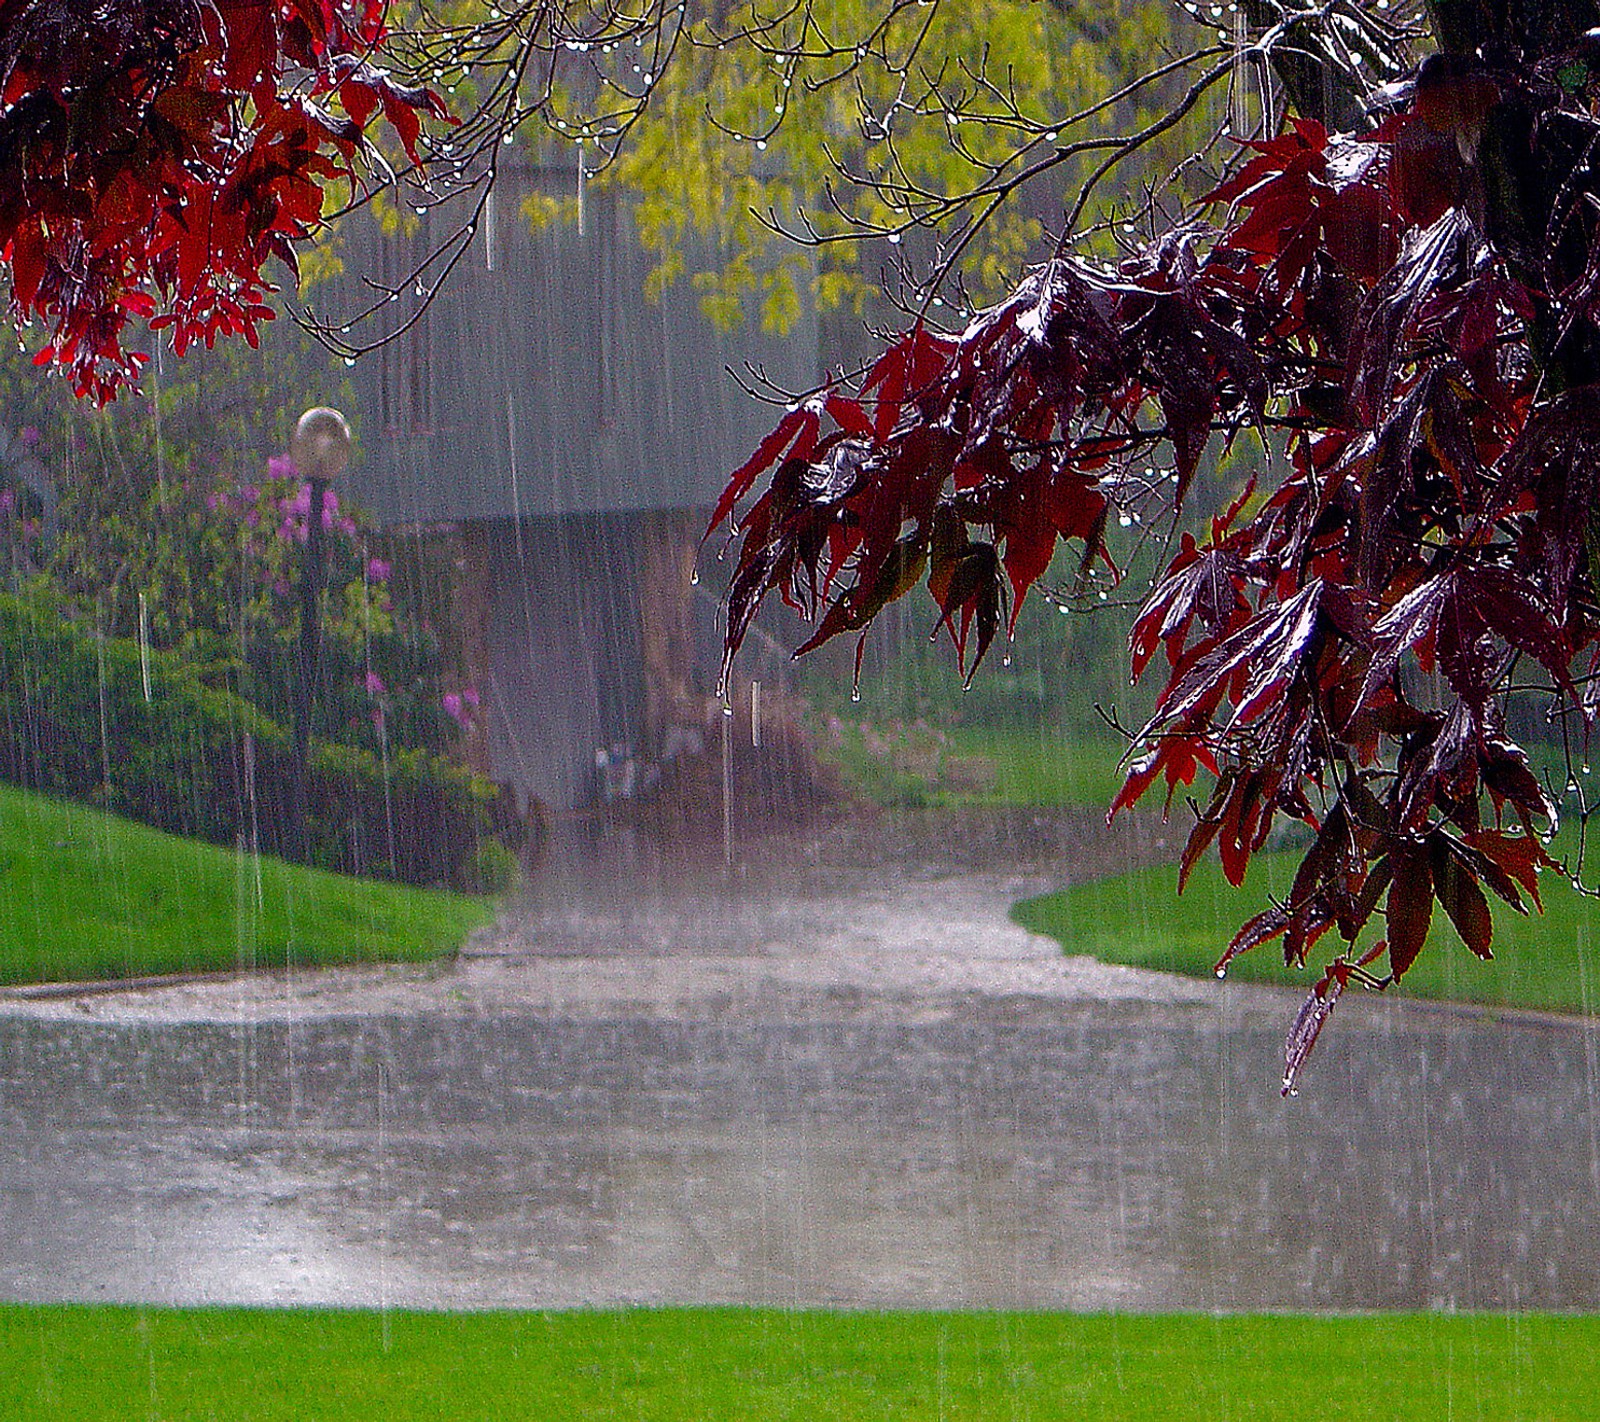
(70,1363)
(1547,962)
(1039,767)
(86,895)
(1029,767)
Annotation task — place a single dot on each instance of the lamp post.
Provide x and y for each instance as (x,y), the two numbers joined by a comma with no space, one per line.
(320,450)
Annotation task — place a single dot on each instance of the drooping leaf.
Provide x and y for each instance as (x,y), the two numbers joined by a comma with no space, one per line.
(1461,898)
(1519,856)
(1410,908)
(1308,1024)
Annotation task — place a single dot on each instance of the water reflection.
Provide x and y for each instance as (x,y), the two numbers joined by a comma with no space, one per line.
(996,1154)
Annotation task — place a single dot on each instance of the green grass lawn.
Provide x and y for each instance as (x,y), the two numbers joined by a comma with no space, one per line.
(66,1363)
(1547,962)
(86,895)
(902,766)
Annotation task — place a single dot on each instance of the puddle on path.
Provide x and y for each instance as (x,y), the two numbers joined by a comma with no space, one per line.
(1069,1155)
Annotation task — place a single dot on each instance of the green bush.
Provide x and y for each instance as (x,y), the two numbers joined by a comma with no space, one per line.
(491,868)
(92,718)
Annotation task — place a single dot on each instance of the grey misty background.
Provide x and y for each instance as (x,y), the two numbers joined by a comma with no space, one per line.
(542,450)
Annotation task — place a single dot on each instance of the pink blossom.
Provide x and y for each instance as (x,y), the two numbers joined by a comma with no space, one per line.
(458,709)
(297,510)
(375,685)
(8,502)
(281,466)
(378,570)
(30,436)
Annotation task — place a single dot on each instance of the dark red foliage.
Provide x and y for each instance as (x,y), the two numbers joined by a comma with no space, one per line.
(1338,649)
(155,153)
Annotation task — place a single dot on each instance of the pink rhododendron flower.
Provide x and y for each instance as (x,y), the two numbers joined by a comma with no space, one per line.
(459,706)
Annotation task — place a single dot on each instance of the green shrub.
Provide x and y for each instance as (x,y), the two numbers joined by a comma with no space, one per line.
(491,868)
(91,718)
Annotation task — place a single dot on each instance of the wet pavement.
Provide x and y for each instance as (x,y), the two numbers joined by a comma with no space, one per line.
(788,1100)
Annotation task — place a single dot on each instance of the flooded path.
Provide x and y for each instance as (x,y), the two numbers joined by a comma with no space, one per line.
(806,1108)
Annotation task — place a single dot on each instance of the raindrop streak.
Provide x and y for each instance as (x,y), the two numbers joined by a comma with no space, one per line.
(249,748)
(727,785)
(382,724)
(516,491)
(155,420)
(383,1203)
(1238,109)
(144,647)
(755,715)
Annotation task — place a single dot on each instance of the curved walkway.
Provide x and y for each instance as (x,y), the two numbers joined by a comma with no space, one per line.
(822,1078)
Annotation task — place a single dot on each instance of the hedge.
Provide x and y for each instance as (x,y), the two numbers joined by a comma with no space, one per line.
(76,722)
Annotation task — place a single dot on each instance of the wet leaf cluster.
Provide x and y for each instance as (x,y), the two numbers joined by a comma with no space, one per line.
(1405,320)
(154,155)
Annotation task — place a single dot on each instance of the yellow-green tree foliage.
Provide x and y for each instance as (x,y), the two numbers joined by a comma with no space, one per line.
(845,121)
